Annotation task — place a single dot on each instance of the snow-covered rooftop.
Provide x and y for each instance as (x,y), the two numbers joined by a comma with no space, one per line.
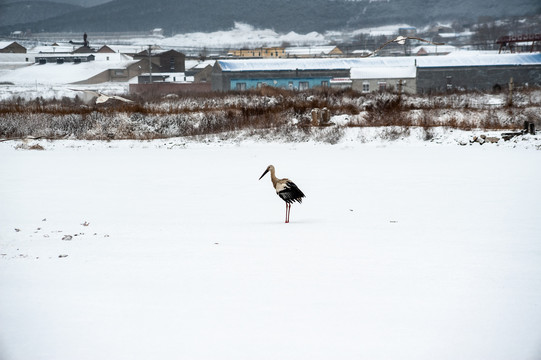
(4,44)
(62,73)
(464,59)
(286,64)
(60,48)
(197,64)
(459,59)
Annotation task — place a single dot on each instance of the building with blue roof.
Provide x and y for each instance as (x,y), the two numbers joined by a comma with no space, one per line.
(461,70)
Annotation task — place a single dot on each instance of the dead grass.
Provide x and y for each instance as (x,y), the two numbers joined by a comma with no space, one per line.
(267,109)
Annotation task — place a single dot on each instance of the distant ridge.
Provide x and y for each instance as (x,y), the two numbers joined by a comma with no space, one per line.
(281,15)
(32,11)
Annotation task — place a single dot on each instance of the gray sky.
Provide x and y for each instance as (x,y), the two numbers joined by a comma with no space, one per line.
(86,3)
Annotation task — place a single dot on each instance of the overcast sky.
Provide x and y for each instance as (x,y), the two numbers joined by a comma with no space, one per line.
(86,3)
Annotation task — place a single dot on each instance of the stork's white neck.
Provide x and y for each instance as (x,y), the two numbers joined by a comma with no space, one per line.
(274,179)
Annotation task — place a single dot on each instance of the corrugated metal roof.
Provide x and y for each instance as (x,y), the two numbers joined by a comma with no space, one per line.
(286,64)
(463,59)
(452,60)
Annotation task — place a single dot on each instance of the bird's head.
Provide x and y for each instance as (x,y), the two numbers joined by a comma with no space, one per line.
(269,168)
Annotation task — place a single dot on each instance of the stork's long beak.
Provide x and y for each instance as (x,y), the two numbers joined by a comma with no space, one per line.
(266,171)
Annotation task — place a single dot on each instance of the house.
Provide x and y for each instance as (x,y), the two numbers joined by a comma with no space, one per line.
(389,78)
(117,73)
(168,83)
(164,61)
(83,50)
(294,74)
(424,50)
(262,52)
(11,47)
(105,50)
(59,71)
(422,74)
(485,72)
(17,34)
(61,58)
(313,51)
(200,70)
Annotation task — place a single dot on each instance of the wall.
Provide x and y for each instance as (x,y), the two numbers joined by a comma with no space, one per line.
(225,81)
(408,85)
(178,61)
(204,75)
(117,75)
(158,89)
(286,83)
(476,77)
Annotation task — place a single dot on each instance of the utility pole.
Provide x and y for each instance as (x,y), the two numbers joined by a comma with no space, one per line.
(510,93)
(150,64)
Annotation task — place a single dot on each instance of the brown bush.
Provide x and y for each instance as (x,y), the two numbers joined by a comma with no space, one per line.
(265,109)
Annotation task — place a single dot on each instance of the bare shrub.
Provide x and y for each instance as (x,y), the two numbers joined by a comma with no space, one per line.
(393,133)
(264,112)
(25,146)
(533,115)
(428,133)
(331,135)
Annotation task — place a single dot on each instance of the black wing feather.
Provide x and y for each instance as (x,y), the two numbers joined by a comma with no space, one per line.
(291,193)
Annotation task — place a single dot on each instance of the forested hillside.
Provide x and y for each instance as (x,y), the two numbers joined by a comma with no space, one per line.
(32,11)
(282,15)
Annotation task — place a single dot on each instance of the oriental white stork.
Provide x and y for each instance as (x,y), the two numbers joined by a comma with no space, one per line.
(286,190)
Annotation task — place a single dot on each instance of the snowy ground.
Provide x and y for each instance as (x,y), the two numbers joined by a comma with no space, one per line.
(174,250)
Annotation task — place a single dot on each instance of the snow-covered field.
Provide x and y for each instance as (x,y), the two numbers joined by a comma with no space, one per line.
(174,250)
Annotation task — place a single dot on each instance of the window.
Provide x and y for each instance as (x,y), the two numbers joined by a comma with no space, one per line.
(382,85)
(290,85)
(172,63)
(241,86)
(304,85)
(366,87)
(324,83)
